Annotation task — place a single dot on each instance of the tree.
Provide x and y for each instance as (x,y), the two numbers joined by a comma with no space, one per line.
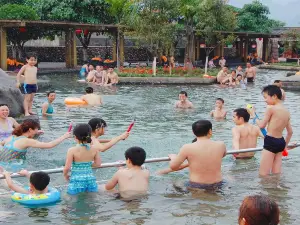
(291,40)
(254,17)
(82,11)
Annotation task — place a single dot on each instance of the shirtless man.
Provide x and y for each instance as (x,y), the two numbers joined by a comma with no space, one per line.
(183,102)
(91,98)
(244,134)
(204,158)
(278,83)
(250,73)
(222,75)
(111,77)
(133,180)
(277,118)
(99,76)
(219,112)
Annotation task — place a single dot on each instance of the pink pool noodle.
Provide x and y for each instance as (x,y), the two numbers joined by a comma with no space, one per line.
(130,126)
(70,127)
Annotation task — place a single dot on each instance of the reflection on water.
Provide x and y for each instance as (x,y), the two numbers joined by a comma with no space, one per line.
(160,130)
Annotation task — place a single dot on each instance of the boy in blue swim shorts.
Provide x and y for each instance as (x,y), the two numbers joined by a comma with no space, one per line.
(277,118)
(29,71)
(204,158)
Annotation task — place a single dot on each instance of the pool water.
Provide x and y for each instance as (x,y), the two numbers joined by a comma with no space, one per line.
(160,130)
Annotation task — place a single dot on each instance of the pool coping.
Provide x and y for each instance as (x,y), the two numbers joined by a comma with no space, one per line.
(166,80)
(274,67)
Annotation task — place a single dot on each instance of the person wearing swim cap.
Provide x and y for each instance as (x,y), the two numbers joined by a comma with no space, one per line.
(47,108)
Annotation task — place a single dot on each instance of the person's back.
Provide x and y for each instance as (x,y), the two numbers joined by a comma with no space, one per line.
(91,98)
(279,120)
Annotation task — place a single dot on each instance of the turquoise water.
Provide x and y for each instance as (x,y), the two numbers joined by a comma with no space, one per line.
(160,130)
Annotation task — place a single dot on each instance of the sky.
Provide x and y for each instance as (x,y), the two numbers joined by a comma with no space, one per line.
(287,11)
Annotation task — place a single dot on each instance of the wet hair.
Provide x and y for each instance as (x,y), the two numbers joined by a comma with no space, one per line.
(40,180)
(233,71)
(50,92)
(183,93)
(97,123)
(25,126)
(241,112)
(136,155)
(30,55)
(277,81)
(201,128)
(259,209)
(83,132)
(220,99)
(3,105)
(195,139)
(239,75)
(272,90)
(89,90)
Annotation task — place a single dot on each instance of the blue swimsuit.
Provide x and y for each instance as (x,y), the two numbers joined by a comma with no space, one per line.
(50,109)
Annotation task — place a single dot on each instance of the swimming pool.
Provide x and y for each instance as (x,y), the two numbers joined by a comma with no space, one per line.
(160,130)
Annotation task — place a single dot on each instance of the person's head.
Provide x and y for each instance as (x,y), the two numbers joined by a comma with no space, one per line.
(29,127)
(98,126)
(239,77)
(241,116)
(219,102)
(4,111)
(39,181)
(135,156)
(278,83)
(89,90)
(99,68)
(51,96)
(225,69)
(249,65)
(240,68)
(272,94)
(202,128)
(222,57)
(258,209)
(182,96)
(233,73)
(83,133)
(110,70)
(91,67)
(31,59)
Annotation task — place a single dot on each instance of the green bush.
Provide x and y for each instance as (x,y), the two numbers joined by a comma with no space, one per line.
(18,12)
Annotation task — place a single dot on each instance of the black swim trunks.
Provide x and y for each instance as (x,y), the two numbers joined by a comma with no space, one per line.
(30,88)
(274,145)
(250,79)
(215,186)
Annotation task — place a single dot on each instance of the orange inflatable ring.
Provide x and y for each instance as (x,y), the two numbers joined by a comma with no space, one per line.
(74,101)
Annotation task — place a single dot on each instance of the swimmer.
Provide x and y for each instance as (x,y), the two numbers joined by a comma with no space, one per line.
(277,118)
(47,108)
(15,147)
(239,70)
(230,79)
(219,112)
(258,210)
(30,83)
(278,83)
(91,98)
(82,158)
(133,180)
(244,134)
(38,182)
(91,74)
(222,75)
(204,158)
(84,69)
(99,75)
(7,124)
(98,129)
(239,81)
(111,77)
(250,73)
(183,102)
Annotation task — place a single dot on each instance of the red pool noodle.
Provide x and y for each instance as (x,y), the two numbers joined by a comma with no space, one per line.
(70,127)
(130,126)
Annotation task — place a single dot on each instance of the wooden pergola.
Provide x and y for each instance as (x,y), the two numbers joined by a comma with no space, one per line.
(70,37)
(242,43)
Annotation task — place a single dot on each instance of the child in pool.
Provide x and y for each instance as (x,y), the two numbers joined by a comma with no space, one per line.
(111,77)
(183,102)
(244,135)
(204,158)
(219,112)
(132,181)
(277,118)
(278,83)
(98,128)
(47,108)
(38,182)
(91,98)
(82,158)
(30,83)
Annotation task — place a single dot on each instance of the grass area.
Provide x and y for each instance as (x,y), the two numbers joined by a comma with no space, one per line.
(294,64)
(164,72)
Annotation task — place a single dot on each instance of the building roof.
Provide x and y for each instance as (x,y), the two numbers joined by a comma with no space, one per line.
(282,30)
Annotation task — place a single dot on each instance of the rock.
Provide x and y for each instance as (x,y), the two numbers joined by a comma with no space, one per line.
(10,95)
(290,74)
(291,83)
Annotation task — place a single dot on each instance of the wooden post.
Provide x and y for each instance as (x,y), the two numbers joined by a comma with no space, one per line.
(70,48)
(3,48)
(246,49)
(265,49)
(121,48)
(241,47)
(114,47)
(198,49)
